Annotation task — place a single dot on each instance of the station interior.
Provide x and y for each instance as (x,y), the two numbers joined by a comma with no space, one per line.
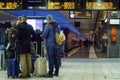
(92,33)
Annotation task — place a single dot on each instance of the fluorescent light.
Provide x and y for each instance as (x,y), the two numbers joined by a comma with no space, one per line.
(99,2)
(106,20)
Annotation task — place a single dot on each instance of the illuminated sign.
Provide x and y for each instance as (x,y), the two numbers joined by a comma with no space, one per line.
(59,4)
(10,5)
(63,5)
(21,4)
(82,4)
(114,21)
(102,5)
(80,14)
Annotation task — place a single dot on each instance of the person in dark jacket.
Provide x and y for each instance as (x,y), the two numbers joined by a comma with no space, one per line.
(23,39)
(38,40)
(52,46)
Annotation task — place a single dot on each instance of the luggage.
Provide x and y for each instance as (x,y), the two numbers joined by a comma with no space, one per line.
(34,48)
(33,58)
(13,67)
(40,65)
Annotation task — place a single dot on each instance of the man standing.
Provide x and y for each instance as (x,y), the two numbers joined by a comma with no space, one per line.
(52,47)
(23,39)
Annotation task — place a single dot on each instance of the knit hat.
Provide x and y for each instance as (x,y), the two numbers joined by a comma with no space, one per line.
(49,17)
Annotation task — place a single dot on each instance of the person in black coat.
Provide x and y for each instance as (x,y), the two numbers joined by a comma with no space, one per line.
(23,38)
(38,40)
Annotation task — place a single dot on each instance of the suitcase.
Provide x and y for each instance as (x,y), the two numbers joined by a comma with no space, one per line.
(34,48)
(33,58)
(13,67)
(40,65)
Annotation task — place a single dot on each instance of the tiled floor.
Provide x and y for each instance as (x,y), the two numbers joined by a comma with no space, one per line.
(82,69)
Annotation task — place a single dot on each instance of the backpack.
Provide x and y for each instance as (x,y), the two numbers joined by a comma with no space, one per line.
(58,34)
(60,38)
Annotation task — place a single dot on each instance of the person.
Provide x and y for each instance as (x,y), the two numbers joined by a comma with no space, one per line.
(52,46)
(6,37)
(11,33)
(10,49)
(38,40)
(23,38)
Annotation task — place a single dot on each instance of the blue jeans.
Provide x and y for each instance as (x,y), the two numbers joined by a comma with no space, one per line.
(53,59)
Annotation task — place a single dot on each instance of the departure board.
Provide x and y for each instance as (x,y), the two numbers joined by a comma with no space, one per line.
(60,4)
(63,5)
(11,5)
(80,14)
(83,4)
(22,4)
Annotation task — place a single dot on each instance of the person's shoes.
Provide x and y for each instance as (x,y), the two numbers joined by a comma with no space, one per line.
(21,76)
(29,76)
(49,76)
(56,75)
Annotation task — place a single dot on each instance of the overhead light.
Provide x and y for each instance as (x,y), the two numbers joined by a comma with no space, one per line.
(99,2)
(30,7)
(106,20)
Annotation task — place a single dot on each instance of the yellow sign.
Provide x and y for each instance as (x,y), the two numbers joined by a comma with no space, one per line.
(69,5)
(10,5)
(100,5)
(54,5)
(61,5)
(80,14)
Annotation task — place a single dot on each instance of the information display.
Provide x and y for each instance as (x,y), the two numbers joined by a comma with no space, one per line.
(114,21)
(11,5)
(22,4)
(60,4)
(80,14)
(63,5)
